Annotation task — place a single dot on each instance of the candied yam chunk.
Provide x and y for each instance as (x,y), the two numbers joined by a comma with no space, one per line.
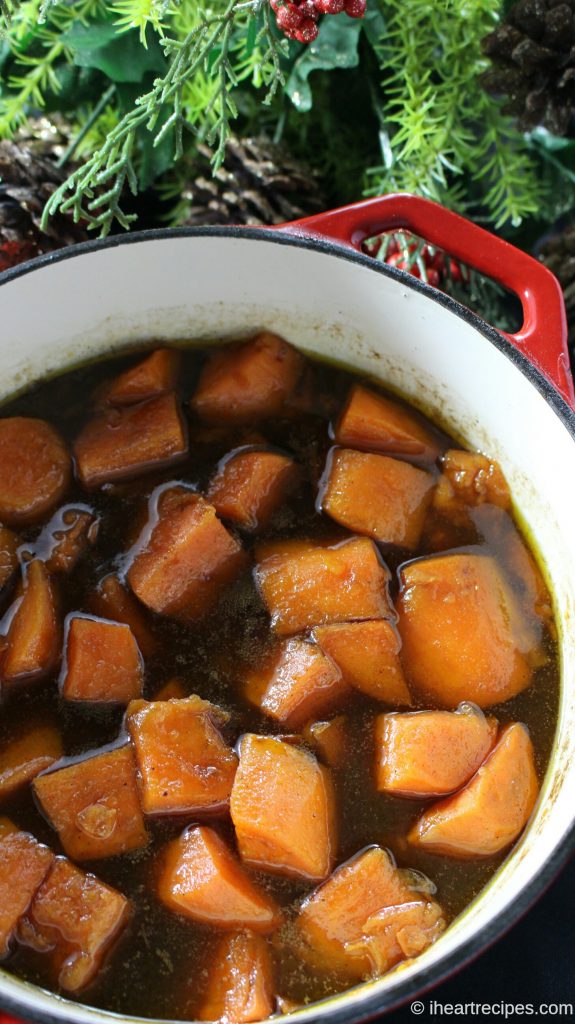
(152,376)
(492,810)
(111,600)
(329,739)
(317,585)
(374,423)
(248,382)
(117,444)
(180,564)
(200,878)
(8,557)
(93,805)
(7,827)
(282,807)
(102,662)
(172,690)
(26,755)
(68,537)
(240,986)
(184,764)
(24,864)
(295,683)
(398,933)
(33,639)
(79,918)
(462,631)
(431,753)
(368,656)
(467,480)
(334,915)
(35,470)
(250,485)
(378,496)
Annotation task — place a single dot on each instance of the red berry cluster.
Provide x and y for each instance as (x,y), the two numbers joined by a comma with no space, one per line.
(12,253)
(298,19)
(425,262)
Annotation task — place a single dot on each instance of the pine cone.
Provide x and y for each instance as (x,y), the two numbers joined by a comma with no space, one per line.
(533,63)
(258,183)
(28,177)
(558,254)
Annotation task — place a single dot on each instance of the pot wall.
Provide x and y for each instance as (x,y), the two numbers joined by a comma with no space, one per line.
(340,307)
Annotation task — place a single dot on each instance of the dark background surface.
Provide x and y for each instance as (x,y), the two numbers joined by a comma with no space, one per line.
(533,963)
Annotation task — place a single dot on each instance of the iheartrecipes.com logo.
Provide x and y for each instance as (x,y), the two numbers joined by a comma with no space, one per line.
(502,1010)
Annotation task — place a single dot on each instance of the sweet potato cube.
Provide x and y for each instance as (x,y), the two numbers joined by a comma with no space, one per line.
(468,480)
(462,631)
(152,376)
(295,684)
(24,757)
(68,537)
(35,470)
(248,382)
(111,600)
(378,496)
(398,933)
(324,584)
(102,663)
(33,640)
(240,986)
(368,656)
(329,739)
(334,916)
(79,918)
(374,423)
(181,566)
(8,557)
(250,485)
(202,879)
(24,864)
(184,764)
(172,690)
(492,810)
(93,804)
(7,827)
(117,444)
(431,753)
(282,807)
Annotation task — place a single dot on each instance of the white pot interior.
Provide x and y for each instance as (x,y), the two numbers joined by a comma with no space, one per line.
(205,287)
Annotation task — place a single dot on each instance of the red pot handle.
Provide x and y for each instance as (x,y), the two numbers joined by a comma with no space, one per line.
(543,336)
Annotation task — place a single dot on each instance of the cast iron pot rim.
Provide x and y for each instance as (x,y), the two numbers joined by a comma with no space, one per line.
(375,1003)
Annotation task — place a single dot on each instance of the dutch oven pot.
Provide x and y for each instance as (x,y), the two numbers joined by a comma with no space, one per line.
(510,395)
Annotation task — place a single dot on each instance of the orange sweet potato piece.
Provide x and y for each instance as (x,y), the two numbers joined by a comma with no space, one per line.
(431,753)
(368,656)
(181,566)
(467,480)
(295,684)
(398,933)
(102,663)
(111,600)
(202,879)
(117,444)
(374,423)
(240,986)
(172,690)
(152,376)
(93,805)
(24,864)
(33,640)
(250,485)
(7,827)
(462,631)
(334,916)
(79,918)
(492,810)
(67,537)
(35,470)
(375,495)
(8,557)
(329,739)
(25,756)
(282,807)
(184,764)
(248,382)
(324,584)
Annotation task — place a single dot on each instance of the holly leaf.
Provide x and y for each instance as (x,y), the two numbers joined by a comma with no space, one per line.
(373,26)
(336,47)
(120,56)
